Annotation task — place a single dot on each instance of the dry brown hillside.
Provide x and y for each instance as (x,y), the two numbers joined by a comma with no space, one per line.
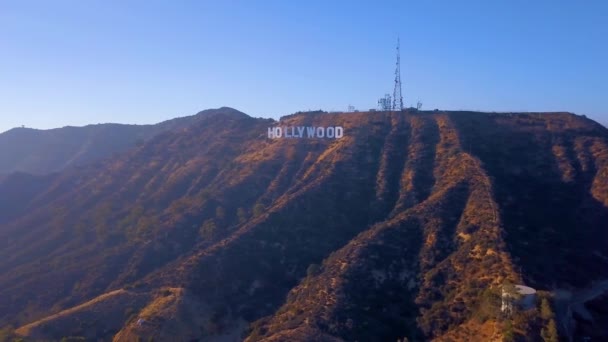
(406,227)
(42,152)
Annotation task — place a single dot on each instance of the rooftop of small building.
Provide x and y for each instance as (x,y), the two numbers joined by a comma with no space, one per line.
(525,290)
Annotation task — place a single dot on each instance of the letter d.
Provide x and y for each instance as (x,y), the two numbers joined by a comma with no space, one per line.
(339,132)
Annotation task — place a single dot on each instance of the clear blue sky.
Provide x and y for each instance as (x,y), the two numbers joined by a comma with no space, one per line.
(80,62)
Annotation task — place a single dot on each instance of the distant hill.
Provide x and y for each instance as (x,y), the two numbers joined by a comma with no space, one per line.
(45,151)
(408,226)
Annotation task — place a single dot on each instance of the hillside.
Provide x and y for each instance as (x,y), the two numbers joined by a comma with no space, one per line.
(86,316)
(45,151)
(405,227)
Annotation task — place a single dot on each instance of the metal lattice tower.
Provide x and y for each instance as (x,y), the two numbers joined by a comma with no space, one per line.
(397,97)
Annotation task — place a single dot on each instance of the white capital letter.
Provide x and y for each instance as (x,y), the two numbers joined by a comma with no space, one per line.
(321,132)
(310,131)
(339,132)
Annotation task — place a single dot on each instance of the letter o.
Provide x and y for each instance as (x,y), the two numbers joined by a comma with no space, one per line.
(330,132)
(321,132)
(278,132)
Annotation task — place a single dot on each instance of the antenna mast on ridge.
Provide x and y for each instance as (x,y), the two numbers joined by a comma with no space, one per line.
(397,97)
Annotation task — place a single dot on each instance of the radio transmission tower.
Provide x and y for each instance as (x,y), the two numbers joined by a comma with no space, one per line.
(397,97)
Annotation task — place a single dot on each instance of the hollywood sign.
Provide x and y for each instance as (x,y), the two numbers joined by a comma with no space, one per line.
(332,132)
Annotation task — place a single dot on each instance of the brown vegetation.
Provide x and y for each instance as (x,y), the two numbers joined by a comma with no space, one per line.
(406,227)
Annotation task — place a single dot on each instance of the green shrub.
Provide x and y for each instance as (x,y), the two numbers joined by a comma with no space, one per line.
(545,310)
(208,230)
(549,332)
(313,270)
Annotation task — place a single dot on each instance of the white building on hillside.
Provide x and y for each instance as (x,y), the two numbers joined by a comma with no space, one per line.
(520,295)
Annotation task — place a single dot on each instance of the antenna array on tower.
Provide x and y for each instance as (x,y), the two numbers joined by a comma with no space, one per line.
(397,97)
(395,103)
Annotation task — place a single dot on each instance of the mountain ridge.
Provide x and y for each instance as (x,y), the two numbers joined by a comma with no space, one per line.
(425,204)
(39,151)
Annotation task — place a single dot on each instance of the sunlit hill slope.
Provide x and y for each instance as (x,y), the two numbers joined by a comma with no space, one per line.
(399,229)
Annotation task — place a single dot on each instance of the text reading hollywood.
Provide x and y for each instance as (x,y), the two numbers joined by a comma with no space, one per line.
(332,132)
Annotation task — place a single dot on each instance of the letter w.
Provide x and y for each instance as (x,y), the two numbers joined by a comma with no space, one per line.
(310,131)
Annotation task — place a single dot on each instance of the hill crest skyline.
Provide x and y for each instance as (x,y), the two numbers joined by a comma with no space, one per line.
(605,124)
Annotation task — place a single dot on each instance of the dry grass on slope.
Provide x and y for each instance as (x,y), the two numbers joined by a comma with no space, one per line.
(176,315)
(435,257)
(95,318)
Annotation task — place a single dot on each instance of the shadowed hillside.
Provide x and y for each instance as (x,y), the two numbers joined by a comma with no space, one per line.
(406,227)
(46,151)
